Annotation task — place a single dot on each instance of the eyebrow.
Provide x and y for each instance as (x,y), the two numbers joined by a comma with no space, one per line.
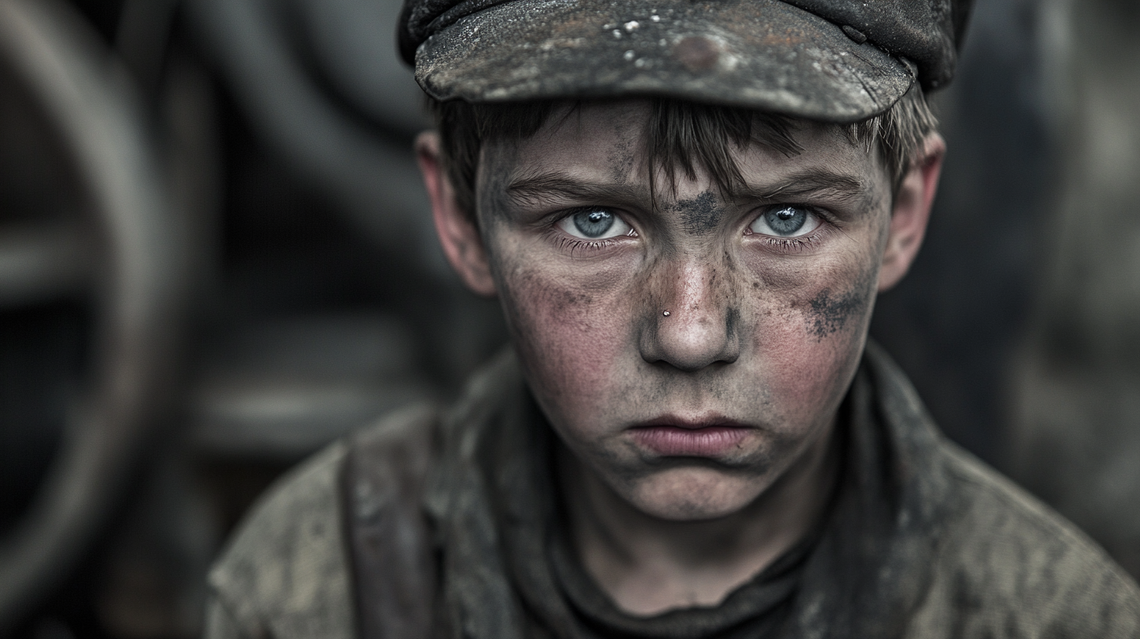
(546,185)
(810,183)
(816,183)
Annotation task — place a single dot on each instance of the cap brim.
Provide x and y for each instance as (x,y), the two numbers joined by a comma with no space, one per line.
(761,54)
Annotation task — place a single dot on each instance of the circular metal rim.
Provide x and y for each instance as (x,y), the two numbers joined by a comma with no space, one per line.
(74,78)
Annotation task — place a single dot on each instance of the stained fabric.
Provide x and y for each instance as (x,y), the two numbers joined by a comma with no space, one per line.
(756,610)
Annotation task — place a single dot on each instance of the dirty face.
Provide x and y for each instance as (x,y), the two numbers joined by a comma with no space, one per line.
(689,348)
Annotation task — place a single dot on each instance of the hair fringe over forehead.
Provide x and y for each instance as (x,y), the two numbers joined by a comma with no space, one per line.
(682,137)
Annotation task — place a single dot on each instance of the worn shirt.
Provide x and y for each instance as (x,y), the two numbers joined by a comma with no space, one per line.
(434,525)
(756,610)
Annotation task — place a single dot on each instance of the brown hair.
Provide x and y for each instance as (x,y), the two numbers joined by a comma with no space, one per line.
(683,136)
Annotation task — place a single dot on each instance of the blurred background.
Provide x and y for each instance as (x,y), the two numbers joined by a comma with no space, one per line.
(216,257)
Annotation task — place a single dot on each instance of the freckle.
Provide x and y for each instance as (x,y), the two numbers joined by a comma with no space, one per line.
(756,285)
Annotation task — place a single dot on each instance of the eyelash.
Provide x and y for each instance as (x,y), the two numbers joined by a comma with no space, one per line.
(791,244)
(575,245)
(786,245)
(799,244)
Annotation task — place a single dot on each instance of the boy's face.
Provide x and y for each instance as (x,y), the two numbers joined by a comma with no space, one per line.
(688,351)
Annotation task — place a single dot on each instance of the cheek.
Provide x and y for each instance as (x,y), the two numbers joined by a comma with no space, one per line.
(570,337)
(811,324)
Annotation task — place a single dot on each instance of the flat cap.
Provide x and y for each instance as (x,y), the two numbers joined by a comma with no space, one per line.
(827,60)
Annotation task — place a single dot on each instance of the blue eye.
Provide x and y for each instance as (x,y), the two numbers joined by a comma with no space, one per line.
(786,221)
(594,224)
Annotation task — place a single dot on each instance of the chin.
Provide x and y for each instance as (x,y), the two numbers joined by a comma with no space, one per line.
(694,493)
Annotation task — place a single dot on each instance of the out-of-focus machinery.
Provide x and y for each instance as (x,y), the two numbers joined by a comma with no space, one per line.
(214,259)
(92,284)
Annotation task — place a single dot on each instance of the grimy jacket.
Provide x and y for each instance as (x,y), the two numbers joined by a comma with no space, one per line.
(408,529)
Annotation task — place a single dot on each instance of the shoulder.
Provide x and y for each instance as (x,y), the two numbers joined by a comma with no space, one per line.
(1009,564)
(286,570)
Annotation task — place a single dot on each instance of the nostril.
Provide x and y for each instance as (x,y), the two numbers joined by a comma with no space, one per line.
(690,341)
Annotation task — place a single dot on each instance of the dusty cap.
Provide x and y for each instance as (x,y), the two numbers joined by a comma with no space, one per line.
(832,60)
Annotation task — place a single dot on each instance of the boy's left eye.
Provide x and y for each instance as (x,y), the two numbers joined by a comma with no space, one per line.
(594,224)
(786,220)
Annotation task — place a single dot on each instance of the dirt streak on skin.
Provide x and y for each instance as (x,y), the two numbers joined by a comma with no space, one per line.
(829,313)
(700,215)
(623,156)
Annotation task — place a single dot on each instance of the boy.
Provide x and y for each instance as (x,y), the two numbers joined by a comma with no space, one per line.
(686,210)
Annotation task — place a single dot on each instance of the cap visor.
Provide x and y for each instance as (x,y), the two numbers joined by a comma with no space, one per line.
(761,54)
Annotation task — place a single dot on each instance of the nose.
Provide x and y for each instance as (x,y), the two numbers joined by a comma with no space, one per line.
(695,319)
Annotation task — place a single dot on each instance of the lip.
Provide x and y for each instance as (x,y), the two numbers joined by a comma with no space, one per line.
(674,437)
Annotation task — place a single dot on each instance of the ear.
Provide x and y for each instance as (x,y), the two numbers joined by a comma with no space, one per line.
(911,212)
(462,243)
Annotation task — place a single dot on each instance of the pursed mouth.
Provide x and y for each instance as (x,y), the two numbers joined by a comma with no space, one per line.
(671,437)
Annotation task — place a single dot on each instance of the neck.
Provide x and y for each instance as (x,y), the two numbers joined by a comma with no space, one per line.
(649,565)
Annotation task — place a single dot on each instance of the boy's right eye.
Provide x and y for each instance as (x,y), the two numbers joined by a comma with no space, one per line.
(594,224)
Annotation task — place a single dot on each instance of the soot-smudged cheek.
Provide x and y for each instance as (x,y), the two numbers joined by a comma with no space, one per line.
(833,327)
(792,358)
(838,309)
(805,383)
(830,296)
(803,373)
(828,313)
(568,340)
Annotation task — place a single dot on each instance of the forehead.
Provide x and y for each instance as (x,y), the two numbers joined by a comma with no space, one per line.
(608,141)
